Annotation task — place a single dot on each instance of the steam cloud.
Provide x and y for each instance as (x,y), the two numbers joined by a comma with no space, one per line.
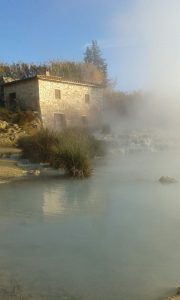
(155,25)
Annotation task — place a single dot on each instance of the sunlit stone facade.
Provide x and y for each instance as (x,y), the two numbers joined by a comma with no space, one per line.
(60,103)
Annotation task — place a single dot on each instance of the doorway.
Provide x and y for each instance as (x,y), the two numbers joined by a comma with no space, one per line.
(12,101)
(59,121)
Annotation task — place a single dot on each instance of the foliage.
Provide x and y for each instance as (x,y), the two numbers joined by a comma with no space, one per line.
(27,120)
(5,115)
(72,149)
(93,56)
(67,69)
(37,148)
(22,117)
(21,70)
(122,104)
(72,154)
(73,159)
(76,71)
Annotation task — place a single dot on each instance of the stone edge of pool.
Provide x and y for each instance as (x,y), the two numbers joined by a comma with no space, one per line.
(12,167)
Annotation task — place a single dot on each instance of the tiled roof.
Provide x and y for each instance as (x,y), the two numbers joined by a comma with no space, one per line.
(56,79)
(61,79)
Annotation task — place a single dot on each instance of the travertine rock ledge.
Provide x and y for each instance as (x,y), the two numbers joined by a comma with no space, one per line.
(9,170)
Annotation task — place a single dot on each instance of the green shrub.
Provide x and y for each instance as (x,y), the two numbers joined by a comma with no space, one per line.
(22,117)
(83,137)
(37,148)
(5,114)
(74,160)
(71,149)
(72,153)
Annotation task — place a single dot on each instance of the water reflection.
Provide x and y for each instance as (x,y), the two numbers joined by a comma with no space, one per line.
(38,198)
(94,238)
(54,202)
(72,197)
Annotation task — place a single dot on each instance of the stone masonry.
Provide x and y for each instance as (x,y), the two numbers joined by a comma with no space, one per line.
(59,102)
(26,94)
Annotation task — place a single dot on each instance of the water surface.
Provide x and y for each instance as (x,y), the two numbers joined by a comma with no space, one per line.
(113,236)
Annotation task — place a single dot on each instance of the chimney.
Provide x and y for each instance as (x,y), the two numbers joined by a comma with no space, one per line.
(47,73)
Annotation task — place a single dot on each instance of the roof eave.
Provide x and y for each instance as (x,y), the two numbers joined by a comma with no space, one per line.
(54,79)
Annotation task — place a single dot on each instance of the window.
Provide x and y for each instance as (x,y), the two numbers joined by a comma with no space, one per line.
(57,94)
(87,98)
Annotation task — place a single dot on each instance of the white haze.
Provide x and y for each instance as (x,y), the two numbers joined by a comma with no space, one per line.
(154,25)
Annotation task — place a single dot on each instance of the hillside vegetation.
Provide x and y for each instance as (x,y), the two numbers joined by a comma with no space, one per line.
(92,69)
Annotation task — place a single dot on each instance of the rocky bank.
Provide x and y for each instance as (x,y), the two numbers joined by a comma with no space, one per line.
(10,132)
(9,170)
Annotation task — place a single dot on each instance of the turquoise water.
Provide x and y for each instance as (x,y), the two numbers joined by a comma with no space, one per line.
(113,236)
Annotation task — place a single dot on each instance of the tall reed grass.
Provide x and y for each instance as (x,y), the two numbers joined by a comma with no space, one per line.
(72,149)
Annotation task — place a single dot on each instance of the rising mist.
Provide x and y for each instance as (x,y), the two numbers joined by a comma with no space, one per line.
(155,26)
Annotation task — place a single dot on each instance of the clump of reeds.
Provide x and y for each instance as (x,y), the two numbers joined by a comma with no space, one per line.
(37,147)
(72,153)
(71,149)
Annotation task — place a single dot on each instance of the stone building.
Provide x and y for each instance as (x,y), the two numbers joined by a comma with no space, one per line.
(59,102)
(3,80)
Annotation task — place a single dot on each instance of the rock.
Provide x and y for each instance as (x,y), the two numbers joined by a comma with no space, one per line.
(11,130)
(167,180)
(34,172)
(3,125)
(16,126)
(10,133)
(9,169)
(37,172)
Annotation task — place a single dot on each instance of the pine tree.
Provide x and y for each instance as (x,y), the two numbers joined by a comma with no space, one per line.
(93,56)
(88,56)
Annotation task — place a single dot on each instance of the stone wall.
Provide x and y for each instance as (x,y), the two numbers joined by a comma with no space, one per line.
(71,104)
(27,94)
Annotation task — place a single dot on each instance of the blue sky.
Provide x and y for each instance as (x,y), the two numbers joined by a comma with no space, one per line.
(39,30)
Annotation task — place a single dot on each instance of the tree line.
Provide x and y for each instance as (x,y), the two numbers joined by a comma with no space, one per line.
(92,69)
